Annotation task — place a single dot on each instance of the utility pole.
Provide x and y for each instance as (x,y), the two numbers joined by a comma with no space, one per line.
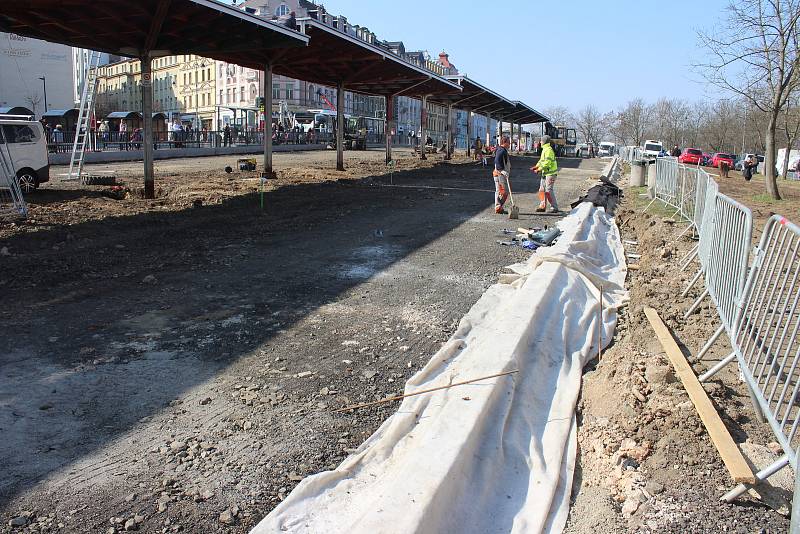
(44,84)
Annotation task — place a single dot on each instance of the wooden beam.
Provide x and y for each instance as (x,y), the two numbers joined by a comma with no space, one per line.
(155,26)
(728,450)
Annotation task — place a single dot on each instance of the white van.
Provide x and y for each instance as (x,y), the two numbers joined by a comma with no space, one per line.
(27,145)
(652,149)
(606,149)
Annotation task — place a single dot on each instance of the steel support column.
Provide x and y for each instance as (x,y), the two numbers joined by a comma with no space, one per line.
(147,115)
(449,153)
(340,127)
(423,126)
(268,121)
(469,131)
(389,126)
(519,143)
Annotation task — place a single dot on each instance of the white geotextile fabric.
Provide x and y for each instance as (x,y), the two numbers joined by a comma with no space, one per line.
(497,455)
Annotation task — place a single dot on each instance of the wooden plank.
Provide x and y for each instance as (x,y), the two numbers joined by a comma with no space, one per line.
(728,450)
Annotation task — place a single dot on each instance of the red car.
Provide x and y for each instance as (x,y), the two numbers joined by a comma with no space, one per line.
(691,156)
(720,157)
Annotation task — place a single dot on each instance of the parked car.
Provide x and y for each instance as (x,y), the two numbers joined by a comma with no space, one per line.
(719,157)
(27,147)
(691,156)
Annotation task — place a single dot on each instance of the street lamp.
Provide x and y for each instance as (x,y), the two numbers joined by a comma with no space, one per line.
(44,84)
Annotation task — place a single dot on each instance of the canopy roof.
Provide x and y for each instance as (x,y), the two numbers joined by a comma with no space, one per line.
(160,27)
(60,112)
(479,99)
(333,57)
(15,110)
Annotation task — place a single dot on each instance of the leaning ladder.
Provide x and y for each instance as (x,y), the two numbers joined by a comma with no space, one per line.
(83,127)
(12,203)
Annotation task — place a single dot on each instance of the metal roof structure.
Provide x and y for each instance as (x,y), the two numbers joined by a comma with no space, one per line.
(157,27)
(334,57)
(476,98)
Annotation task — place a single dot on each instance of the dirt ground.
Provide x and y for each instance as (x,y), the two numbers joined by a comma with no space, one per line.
(646,462)
(172,365)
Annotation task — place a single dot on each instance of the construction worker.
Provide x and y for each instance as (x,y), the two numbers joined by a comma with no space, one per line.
(548,169)
(501,172)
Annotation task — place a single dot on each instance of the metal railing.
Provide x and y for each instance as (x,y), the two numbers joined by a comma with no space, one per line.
(162,140)
(766,345)
(758,310)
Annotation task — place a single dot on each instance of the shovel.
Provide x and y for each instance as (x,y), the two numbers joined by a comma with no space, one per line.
(513,213)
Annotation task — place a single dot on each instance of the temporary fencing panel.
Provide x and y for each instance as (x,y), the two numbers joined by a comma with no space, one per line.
(727,260)
(688,185)
(667,187)
(700,195)
(766,344)
(709,220)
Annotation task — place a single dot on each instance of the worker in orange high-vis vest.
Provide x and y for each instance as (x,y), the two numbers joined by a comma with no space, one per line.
(548,168)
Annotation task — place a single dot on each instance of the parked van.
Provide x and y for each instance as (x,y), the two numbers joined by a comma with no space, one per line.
(652,149)
(607,149)
(26,144)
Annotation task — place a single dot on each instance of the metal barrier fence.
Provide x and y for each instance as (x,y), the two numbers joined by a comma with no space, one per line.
(667,186)
(630,153)
(759,311)
(766,345)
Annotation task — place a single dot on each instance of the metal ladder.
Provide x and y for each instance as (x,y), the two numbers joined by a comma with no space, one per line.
(12,203)
(83,126)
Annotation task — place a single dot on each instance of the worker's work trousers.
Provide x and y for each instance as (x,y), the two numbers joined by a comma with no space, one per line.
(547,191)
(500,191)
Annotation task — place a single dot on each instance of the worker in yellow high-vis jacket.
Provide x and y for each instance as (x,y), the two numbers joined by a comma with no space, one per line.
(548,168)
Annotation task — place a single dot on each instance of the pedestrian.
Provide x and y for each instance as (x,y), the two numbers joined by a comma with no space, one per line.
(58,138)
(137,138)
(104,132)
(675,152)
(548,169)
(501,173)
(123,135)
(226,135)
(748,167)
(797,170)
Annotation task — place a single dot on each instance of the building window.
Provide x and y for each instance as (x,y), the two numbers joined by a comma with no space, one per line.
(203,75)
(228,96)
(282,10)
(289,92)
(242,94)
(190,100)
(220,96)
(276,91)
(234,95)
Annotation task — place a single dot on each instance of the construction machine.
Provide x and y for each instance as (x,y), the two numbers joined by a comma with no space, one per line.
(563,139)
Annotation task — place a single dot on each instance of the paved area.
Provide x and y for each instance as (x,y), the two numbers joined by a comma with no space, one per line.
(177,370)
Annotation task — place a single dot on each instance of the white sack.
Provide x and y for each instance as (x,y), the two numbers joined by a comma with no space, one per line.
(497,455)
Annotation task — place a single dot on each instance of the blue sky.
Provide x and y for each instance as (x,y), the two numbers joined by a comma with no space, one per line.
(604,53)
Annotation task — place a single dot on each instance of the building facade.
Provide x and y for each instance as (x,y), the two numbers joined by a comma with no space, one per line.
(184,87)
(28,67)
(80,63)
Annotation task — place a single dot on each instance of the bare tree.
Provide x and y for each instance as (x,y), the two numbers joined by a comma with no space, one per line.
(559,115)
(589,123)
(632,121)
(756,57)
(33,99)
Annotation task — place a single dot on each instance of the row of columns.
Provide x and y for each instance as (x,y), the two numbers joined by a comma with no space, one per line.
(147,111)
